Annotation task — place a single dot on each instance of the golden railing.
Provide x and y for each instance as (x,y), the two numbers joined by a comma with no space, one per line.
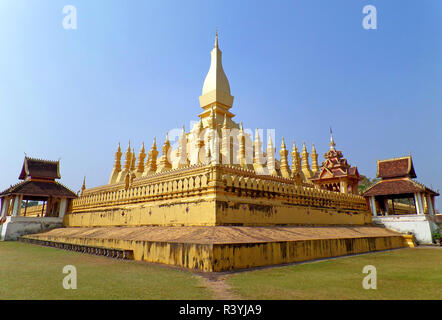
(198,180)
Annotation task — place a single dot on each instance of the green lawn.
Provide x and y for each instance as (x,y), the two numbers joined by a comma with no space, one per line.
(34,272)
(401,274)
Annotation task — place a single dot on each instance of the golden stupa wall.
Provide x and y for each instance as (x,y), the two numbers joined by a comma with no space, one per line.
(209,195)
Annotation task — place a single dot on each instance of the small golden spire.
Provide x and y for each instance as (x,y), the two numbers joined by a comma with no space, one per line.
(134,158)
(256,134)
(141,157)
(216,38)
(225,121)
(128,158)
(282,143)
(285,168)
(83,187)
(314,156)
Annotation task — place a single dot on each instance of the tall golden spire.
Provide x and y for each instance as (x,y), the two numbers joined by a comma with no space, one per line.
(216,87)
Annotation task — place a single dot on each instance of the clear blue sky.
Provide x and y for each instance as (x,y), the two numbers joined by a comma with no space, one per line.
(134,69)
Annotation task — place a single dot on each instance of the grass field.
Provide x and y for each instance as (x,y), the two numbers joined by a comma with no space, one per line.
(34,272)
(401,274)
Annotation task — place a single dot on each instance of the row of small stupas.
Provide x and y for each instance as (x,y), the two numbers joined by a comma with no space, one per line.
(217,139)
(334,174)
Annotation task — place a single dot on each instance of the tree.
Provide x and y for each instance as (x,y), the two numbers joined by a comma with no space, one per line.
(365,183)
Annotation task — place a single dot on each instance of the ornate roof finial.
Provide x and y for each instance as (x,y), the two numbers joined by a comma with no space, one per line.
(332,142)
(216,38)
(225,121)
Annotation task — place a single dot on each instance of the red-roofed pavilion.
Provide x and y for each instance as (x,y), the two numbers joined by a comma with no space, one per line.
(397,182)
(39,185)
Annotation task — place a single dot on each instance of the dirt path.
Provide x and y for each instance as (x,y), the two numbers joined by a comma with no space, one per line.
(219,287)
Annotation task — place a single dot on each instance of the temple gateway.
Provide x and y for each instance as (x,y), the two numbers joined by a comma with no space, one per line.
(220,201)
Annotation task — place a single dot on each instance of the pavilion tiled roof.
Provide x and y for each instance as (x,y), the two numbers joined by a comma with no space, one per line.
(397,186)
(396,167)
(39,189)
(40,169)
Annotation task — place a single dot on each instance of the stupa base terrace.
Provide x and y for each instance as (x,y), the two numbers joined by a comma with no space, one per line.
(222,248)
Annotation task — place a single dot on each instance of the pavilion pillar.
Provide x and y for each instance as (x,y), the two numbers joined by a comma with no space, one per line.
(63,207)
(373,206)
(344,187)
(419,204)
(17,205)
(430,205)
(5,206)
(416,203)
